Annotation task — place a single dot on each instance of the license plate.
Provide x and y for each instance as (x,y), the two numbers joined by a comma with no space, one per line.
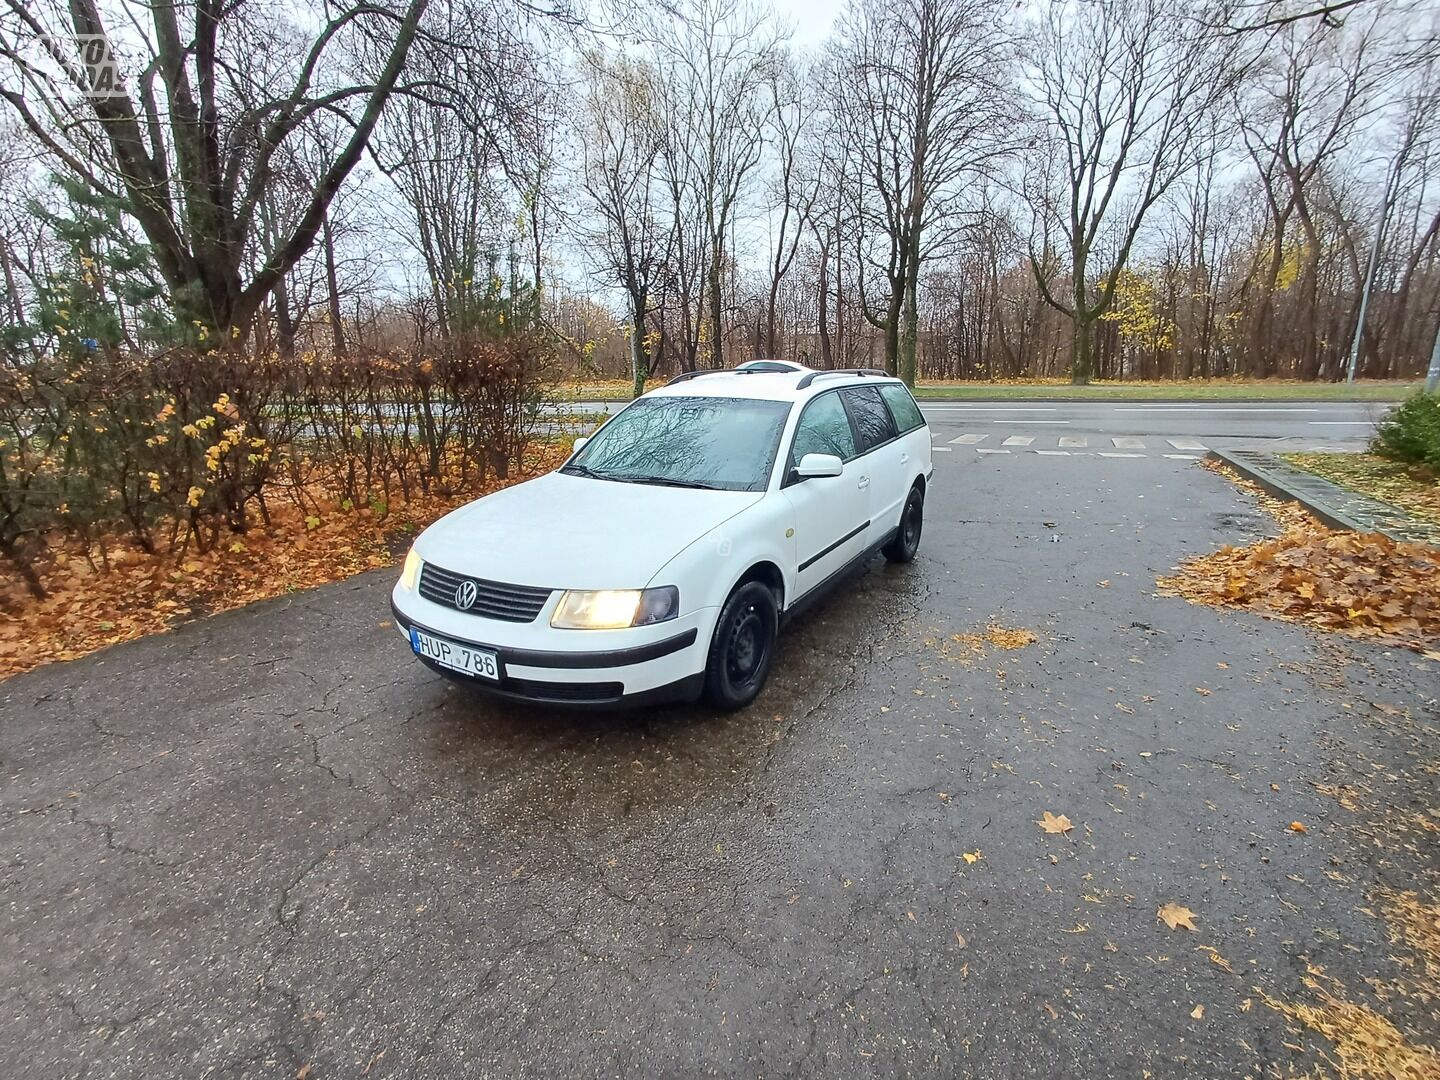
(466,659)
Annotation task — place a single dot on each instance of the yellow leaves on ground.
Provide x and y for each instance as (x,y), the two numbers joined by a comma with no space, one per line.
(1360,584)
(1197,1013)
(1176,916)
(1055,825)
(971,857)
(965,648)
(1368,1046)
(94,602)
(1298,826)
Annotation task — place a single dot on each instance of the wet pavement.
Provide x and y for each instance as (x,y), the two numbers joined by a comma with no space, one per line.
(271,844)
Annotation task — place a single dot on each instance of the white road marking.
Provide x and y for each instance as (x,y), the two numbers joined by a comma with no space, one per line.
(1054,453)
(1186,444)
(967,440)
(1341,423)
(1019,440)
(1111,453)
(1207,408)
(1128,442)
(1029,421)
(942,449)
(989,450)
(991,408)
(1184,457)
(1072,440)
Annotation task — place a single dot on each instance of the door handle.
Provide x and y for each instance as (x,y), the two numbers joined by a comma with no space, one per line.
(904,458)
(864,482)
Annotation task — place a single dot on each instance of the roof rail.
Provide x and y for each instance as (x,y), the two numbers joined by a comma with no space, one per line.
(812,376)
(685,376)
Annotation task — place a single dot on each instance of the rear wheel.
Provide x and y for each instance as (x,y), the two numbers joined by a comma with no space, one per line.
(743,646)
(906,541)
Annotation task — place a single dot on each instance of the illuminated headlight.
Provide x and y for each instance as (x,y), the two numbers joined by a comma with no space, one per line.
(615,609)
(411,570)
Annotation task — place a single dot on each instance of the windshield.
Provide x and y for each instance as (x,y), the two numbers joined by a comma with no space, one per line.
(728,444)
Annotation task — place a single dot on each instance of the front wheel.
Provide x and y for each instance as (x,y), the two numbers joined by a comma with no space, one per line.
(906,541)
(742,648)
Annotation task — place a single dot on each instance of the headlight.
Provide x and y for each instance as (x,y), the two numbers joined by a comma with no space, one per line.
(615,609)
(411,570)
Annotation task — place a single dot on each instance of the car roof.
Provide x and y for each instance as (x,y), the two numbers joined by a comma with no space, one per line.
(764,385)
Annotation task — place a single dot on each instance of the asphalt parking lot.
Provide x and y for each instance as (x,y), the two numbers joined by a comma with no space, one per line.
(272,844)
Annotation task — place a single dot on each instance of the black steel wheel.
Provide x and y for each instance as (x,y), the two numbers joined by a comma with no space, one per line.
(743,646)
(906,541)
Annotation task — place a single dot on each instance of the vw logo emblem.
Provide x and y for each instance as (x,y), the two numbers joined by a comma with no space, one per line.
(465,595)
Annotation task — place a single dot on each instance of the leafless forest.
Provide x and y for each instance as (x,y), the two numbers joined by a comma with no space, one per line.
(954,188)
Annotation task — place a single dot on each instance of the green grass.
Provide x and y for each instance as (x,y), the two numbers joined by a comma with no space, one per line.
(1198,390)
(1193,390)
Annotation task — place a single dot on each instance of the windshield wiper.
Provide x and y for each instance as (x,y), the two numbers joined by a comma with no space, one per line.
(583,470)
(666,481)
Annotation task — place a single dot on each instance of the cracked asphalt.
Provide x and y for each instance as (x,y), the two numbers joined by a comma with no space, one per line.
(271,844)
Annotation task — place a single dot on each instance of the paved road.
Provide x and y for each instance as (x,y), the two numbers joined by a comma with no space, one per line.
(270,841)
(1273,425)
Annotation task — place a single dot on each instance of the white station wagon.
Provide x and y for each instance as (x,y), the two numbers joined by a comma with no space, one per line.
(659,561)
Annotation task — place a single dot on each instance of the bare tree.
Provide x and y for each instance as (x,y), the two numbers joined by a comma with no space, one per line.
(1122,94)
(191,143)
(622,142)
(719,56)
(920,87)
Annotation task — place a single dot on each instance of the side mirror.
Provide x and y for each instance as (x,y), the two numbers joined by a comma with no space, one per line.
(580,443)
(812,465)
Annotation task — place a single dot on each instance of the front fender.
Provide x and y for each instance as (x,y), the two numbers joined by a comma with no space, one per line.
(708,569)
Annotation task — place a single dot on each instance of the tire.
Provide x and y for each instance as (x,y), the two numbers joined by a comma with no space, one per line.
(742,647)
(902,547)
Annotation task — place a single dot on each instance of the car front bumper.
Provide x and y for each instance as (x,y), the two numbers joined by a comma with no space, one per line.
(640,666)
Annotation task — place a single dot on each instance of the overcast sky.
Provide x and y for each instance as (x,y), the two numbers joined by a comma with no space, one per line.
(809,19)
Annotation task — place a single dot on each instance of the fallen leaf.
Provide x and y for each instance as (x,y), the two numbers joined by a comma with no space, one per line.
(1297,826)
(1197,1013)
(960,939)
(1202,691)
(302,1072)
(971,857)
(1055,825)
(1176,916)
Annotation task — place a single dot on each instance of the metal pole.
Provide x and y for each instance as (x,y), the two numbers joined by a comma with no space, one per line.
(1432,379)
(1392,178)
(1365,292)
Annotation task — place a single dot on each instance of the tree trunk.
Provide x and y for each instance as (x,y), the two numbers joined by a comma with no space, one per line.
(337,327)
(639,359)
(823,309)
(717,326)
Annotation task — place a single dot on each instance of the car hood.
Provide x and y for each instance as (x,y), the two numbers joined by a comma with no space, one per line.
(573,532)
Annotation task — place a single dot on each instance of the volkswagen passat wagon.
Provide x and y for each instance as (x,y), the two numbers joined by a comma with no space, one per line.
(660,560)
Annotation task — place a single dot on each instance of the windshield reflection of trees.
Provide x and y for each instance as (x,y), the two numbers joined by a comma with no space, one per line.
(719,441)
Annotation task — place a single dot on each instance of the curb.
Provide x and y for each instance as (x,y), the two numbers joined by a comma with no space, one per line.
(1328,502)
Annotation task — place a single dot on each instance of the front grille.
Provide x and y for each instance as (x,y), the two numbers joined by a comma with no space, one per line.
(493,600)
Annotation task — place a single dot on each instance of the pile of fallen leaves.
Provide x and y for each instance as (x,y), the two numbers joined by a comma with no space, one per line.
(1360,584)
(90,604)
(1363,584)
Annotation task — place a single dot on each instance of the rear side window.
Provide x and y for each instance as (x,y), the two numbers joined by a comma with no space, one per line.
(872,418)
(902,406)
(824,429)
